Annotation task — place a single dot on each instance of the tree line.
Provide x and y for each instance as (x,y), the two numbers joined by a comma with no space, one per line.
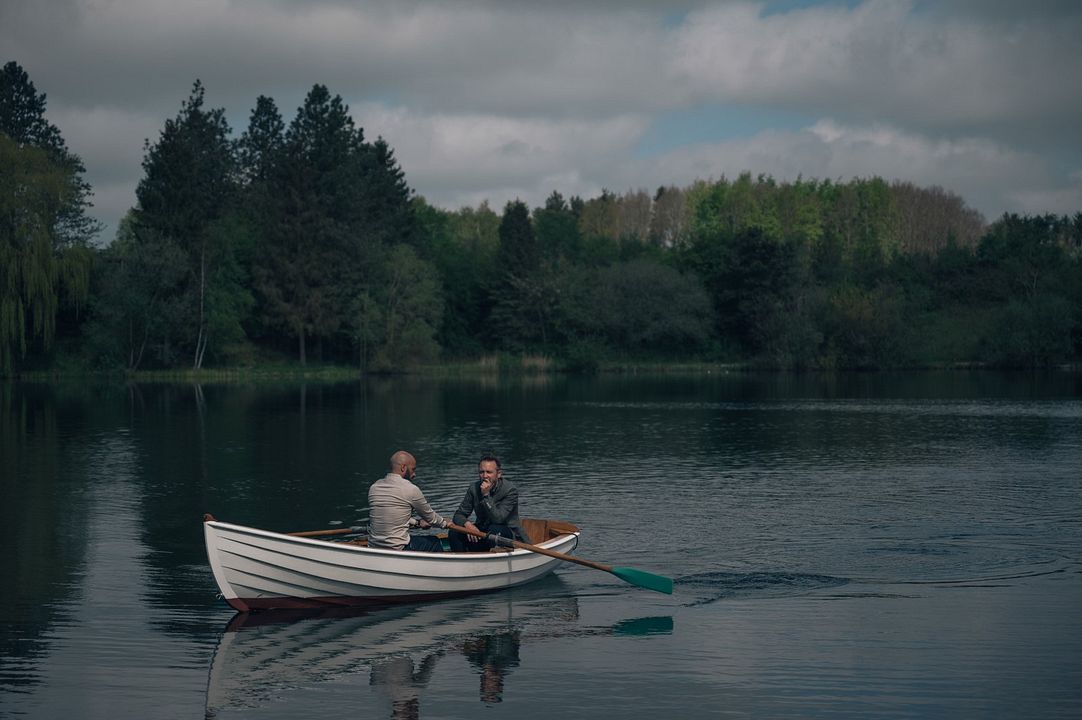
(303,242)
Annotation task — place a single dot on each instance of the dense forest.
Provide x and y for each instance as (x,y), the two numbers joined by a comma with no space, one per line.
(302,243)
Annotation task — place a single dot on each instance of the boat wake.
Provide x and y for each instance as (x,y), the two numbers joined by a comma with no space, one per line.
(713,586)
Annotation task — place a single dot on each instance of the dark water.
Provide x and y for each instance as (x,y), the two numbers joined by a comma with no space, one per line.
(845,546)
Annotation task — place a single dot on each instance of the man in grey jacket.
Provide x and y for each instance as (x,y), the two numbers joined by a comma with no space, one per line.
(392,500)
(495,502)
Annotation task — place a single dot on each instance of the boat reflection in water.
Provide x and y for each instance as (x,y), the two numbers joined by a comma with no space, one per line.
(493,656)
(400,680)
(265,656)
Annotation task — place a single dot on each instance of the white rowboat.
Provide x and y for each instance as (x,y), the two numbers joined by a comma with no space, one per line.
(262,570)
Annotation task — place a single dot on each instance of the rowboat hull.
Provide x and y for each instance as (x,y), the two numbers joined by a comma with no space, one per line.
(262,570)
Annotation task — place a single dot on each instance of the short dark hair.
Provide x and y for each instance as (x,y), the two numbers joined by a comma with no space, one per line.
(489,457)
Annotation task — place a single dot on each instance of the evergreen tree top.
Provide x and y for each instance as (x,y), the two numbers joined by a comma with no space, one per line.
(22,112)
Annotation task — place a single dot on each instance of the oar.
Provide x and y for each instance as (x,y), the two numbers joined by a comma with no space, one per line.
(321,533)
(631,575)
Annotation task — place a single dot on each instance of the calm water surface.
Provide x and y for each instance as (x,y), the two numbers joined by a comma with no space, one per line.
(845,546)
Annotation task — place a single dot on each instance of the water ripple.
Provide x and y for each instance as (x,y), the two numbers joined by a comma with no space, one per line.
(714,586)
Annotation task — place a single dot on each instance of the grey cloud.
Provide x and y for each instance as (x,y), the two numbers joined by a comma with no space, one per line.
(109,140)
(572,86)
(1002,10)
(459,57)
(883,62)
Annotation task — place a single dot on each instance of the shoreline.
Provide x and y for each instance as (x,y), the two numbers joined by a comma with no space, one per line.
(510,367)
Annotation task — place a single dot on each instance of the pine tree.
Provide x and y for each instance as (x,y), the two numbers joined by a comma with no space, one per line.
(185,198)
(315,211)
(521,289)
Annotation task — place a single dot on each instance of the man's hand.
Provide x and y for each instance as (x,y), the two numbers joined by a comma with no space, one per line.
(424,524)
(486,487)
(470,526)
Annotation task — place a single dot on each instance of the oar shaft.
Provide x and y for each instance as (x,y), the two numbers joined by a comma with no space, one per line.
(532,548)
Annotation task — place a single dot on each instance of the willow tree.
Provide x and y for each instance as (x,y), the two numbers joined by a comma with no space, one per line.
(44,229)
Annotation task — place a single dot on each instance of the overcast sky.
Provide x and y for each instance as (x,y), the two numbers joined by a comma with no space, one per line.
(513,98)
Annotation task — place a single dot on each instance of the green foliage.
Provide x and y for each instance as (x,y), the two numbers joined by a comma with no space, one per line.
(135,303)
(519,252)
(188,189)
(387,214)
(189,174)
(259,151)
(308,237)
(526,309)
(1024,266)
(950,335)
(44,259)
(1031,332)
(463,248)
(669,219)
(753,281)
(639,307)
(396,325)
(597,218)
(583,357)
(334,210)
(865,329)
(230,300)
(799,208)
(1025,255)
(523,286)
(759,283)
(858,225)
(557,230)
(311,224)
(22,112)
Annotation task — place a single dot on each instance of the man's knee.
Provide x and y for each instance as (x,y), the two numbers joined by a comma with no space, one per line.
(425,543)
(461,543)
(503,531)
(457,542)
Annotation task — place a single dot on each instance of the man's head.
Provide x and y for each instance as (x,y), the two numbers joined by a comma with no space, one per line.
(404,464)
(488,468)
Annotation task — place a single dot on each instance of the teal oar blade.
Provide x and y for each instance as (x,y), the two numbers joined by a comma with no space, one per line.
(661,625)
(631,575)
(644,579)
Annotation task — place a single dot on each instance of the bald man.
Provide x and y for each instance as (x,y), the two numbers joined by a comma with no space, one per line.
(392,500)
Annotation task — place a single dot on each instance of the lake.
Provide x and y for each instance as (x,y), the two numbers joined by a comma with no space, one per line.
(861,545)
